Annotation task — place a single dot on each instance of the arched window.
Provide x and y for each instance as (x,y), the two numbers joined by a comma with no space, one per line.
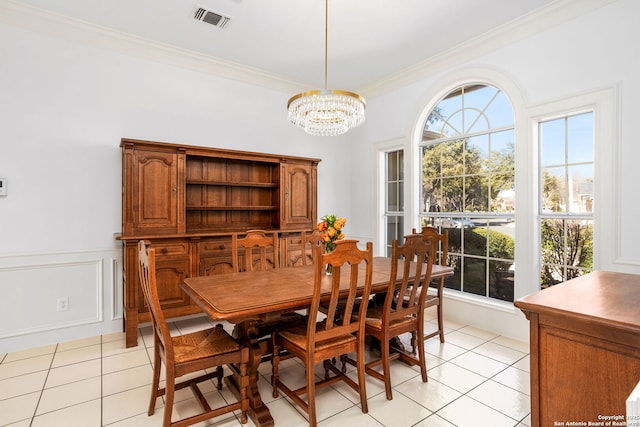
(467,187)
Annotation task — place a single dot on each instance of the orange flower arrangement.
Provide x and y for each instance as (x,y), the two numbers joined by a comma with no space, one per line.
(331,226)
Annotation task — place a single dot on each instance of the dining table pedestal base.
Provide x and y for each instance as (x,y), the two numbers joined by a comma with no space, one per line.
(258,412)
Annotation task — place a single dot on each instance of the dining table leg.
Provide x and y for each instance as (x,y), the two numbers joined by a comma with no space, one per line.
(259,413)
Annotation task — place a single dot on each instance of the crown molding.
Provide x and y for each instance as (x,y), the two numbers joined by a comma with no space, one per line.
(518,29)
(56,25)
(35,19)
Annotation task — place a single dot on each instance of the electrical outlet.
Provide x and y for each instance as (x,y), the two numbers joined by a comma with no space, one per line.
(63,303)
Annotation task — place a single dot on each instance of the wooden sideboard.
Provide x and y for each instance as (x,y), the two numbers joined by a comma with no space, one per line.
(189,200)
(585,348)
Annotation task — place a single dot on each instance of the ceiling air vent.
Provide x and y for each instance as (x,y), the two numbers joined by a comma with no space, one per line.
(210,17)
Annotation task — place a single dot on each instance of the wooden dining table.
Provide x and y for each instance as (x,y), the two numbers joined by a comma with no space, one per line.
(248,298)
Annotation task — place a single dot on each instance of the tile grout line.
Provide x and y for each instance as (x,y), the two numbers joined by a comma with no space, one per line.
(490,379)
(35,410)
(470,350)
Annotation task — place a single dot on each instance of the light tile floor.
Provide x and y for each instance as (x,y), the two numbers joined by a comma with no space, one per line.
(476,379)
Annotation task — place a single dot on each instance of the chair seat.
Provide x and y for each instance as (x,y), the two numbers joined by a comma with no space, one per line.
(374,319)
(203,344)
(298,337)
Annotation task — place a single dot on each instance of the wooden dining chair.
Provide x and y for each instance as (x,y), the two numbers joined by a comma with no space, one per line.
(257,250)
(400,315)
(441,242)
(295,257)
(321,341)
(189,353)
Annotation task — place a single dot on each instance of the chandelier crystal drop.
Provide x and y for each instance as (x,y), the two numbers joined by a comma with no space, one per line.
(326,112)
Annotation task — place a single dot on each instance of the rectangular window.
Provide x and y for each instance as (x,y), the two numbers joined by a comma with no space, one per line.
(394,198)
(566,176)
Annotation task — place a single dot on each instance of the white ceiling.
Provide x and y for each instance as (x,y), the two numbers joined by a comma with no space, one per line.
(369,40)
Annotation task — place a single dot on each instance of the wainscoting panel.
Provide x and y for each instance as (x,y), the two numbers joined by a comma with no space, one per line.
(34,292)
(90,282)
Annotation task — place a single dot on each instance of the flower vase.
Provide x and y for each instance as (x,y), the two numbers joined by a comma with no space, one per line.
(328,269)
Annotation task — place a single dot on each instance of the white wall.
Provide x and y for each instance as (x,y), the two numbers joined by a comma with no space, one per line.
(65,105)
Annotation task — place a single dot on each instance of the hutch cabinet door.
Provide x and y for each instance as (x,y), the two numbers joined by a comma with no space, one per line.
(157,192)
(298,195)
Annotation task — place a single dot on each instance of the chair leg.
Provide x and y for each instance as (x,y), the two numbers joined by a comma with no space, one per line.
(386,365)
(156,379)
(421,356)
(326,365)
(311,393)
(413,342)
(170,384)
(440,322)
(361,379)
(275,360)
(439,310)
(219,375)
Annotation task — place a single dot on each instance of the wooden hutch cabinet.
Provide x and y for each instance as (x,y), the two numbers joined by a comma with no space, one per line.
(188,201)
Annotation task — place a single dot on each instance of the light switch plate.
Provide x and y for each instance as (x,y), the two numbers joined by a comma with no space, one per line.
(3,186)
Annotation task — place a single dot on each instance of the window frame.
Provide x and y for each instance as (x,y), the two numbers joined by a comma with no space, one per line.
(565,216)
(400,183)
(441,219)
(381,149)
(605,102)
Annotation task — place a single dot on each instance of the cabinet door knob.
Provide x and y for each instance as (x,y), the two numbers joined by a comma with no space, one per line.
(165,251)
(222,246)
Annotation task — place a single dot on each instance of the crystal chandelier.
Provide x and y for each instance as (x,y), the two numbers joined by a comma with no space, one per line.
(326,112)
